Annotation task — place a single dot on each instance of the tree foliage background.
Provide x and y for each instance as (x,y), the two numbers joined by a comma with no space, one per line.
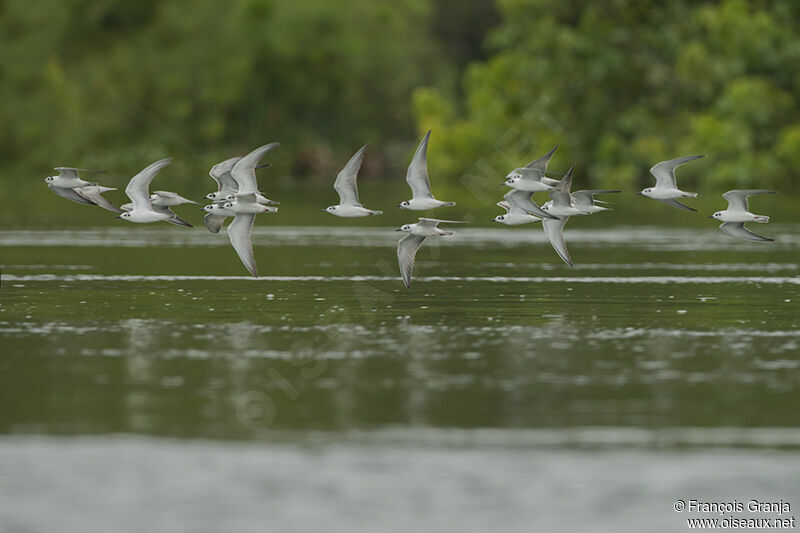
(620,84)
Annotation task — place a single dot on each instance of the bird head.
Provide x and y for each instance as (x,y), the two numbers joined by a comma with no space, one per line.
(404,204)
(405,227)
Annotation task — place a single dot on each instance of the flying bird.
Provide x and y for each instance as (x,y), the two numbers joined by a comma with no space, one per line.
(560,205)
(738,213)
(162,202)
(666,189)
(346,186)
(417,178)
(245,205)
(407,246)
(518,209)
(142,210)
(532,177)
(69,185)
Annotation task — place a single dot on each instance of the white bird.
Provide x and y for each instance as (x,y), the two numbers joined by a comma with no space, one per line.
(68,185)
(407,246)
(532,177)
(347,187)
(417,178)
(67,178)
(227,186)
(585,201)
(162,201)
(733,219)
(245,206)
(561,203)
(666,189)
(516,203)
(137,190)
(221,174)
(245,209)
(244,173)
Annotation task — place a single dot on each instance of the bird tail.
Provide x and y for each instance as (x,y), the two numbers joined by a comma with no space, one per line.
(448,204)
(377,213)
(761,218)
(446,233)
(690,195)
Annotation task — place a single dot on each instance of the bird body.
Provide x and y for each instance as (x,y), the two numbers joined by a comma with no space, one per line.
(347,188)
(417,178)
(67,179)
(417,233)
(531,178)
(666,189)
(142,211)
(738,213)
(519,205)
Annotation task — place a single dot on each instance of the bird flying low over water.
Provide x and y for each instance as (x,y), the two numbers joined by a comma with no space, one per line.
(162,202)
(245,204)
(532,177)
(519,205)
(142,210)
(417,233)
(738,213)
(560,206)
(417,178)
(347,187)
(70,186)
(666,189)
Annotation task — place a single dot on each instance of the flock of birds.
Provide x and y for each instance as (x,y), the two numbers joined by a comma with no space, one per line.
(237,196)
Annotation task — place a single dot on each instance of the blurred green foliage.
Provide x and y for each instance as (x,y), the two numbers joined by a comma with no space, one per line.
(622,84)
(117,84)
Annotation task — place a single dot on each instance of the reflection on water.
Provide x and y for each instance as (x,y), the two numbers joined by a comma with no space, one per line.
(504,389)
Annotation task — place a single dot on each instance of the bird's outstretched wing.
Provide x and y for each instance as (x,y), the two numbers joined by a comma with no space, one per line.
(406,253)
(554,229)
(676,203)
(737,199)
(417,174)
(737,229)
(94,193)
(239,233)
(70,194)
(345,183)
(213,222)
(137,189)
(664,172)
(244,171)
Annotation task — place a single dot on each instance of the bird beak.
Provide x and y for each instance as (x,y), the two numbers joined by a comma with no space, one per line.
(44,180)
(398,229)
(324,210)
(399,205)
(710,216)
(118,216)
(640,193)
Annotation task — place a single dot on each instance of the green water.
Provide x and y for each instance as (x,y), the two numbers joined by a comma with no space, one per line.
(663,341)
